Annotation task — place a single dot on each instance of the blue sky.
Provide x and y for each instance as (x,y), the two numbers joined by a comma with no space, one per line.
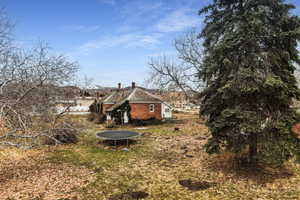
(111,39)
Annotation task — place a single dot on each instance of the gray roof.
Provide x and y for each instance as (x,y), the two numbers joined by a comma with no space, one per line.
(132,95)
(116,96)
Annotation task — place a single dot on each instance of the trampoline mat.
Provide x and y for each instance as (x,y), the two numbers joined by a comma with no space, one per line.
(117,135)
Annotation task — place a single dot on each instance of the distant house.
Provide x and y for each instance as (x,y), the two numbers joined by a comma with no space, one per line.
(76,105)
(134,103)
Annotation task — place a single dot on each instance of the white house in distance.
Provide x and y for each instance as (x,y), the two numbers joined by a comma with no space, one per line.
(75,106)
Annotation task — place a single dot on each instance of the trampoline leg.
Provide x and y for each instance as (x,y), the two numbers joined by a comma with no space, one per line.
(115,143)
(127,142)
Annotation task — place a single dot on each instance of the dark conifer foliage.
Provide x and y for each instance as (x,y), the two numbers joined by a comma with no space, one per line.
(248,67)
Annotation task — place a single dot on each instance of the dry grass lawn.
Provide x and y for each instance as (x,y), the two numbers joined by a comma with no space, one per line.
(162,165)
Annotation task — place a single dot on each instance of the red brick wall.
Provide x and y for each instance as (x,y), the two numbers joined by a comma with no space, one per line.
(141,111)
(105,107)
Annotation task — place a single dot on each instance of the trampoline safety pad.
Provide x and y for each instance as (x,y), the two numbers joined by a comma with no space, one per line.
(117,135)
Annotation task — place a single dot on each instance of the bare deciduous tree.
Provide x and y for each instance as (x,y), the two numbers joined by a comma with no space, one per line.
(180,72)
(87,82)
(30,83)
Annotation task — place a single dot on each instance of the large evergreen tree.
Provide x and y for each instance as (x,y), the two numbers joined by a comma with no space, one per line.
(249,63)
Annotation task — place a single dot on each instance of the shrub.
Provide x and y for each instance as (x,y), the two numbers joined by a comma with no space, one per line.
(96,118)
(91,117)
(111,124)
(151,121)
(64,136)
(99,118)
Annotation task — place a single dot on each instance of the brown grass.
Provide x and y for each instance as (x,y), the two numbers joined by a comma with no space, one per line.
(28,175)
(166,164)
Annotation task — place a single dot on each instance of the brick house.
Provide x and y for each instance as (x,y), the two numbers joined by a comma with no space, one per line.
(134,103)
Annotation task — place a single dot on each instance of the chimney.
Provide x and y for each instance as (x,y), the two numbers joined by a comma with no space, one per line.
(119,86)
(133,85)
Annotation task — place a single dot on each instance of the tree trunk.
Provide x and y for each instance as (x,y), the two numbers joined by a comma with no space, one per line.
(253,150)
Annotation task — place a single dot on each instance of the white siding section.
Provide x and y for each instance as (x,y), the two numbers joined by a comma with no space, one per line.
(126,120)
(166,111)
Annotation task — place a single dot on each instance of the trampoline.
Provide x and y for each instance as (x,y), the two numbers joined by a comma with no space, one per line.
(117,135)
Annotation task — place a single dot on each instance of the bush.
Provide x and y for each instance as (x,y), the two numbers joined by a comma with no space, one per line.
(91,117)
(64,136)
(138,122)
(96,118)
(99,118)
(111,124)
(151,121)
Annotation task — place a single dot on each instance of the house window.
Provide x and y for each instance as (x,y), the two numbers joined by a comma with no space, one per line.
(151,107)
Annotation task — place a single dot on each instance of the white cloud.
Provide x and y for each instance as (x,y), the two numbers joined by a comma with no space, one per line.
(178,20)
(143,24)
(137,8)
(125,41)
(170,53)
(136,15)
(158,16)
(81,28)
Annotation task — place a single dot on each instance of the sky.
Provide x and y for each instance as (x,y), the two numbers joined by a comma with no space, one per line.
(112,40)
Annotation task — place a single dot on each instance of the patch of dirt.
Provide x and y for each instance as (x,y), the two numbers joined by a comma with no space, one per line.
(181,145)
(195,186)
(130,196)
(28,175)
(200,138)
